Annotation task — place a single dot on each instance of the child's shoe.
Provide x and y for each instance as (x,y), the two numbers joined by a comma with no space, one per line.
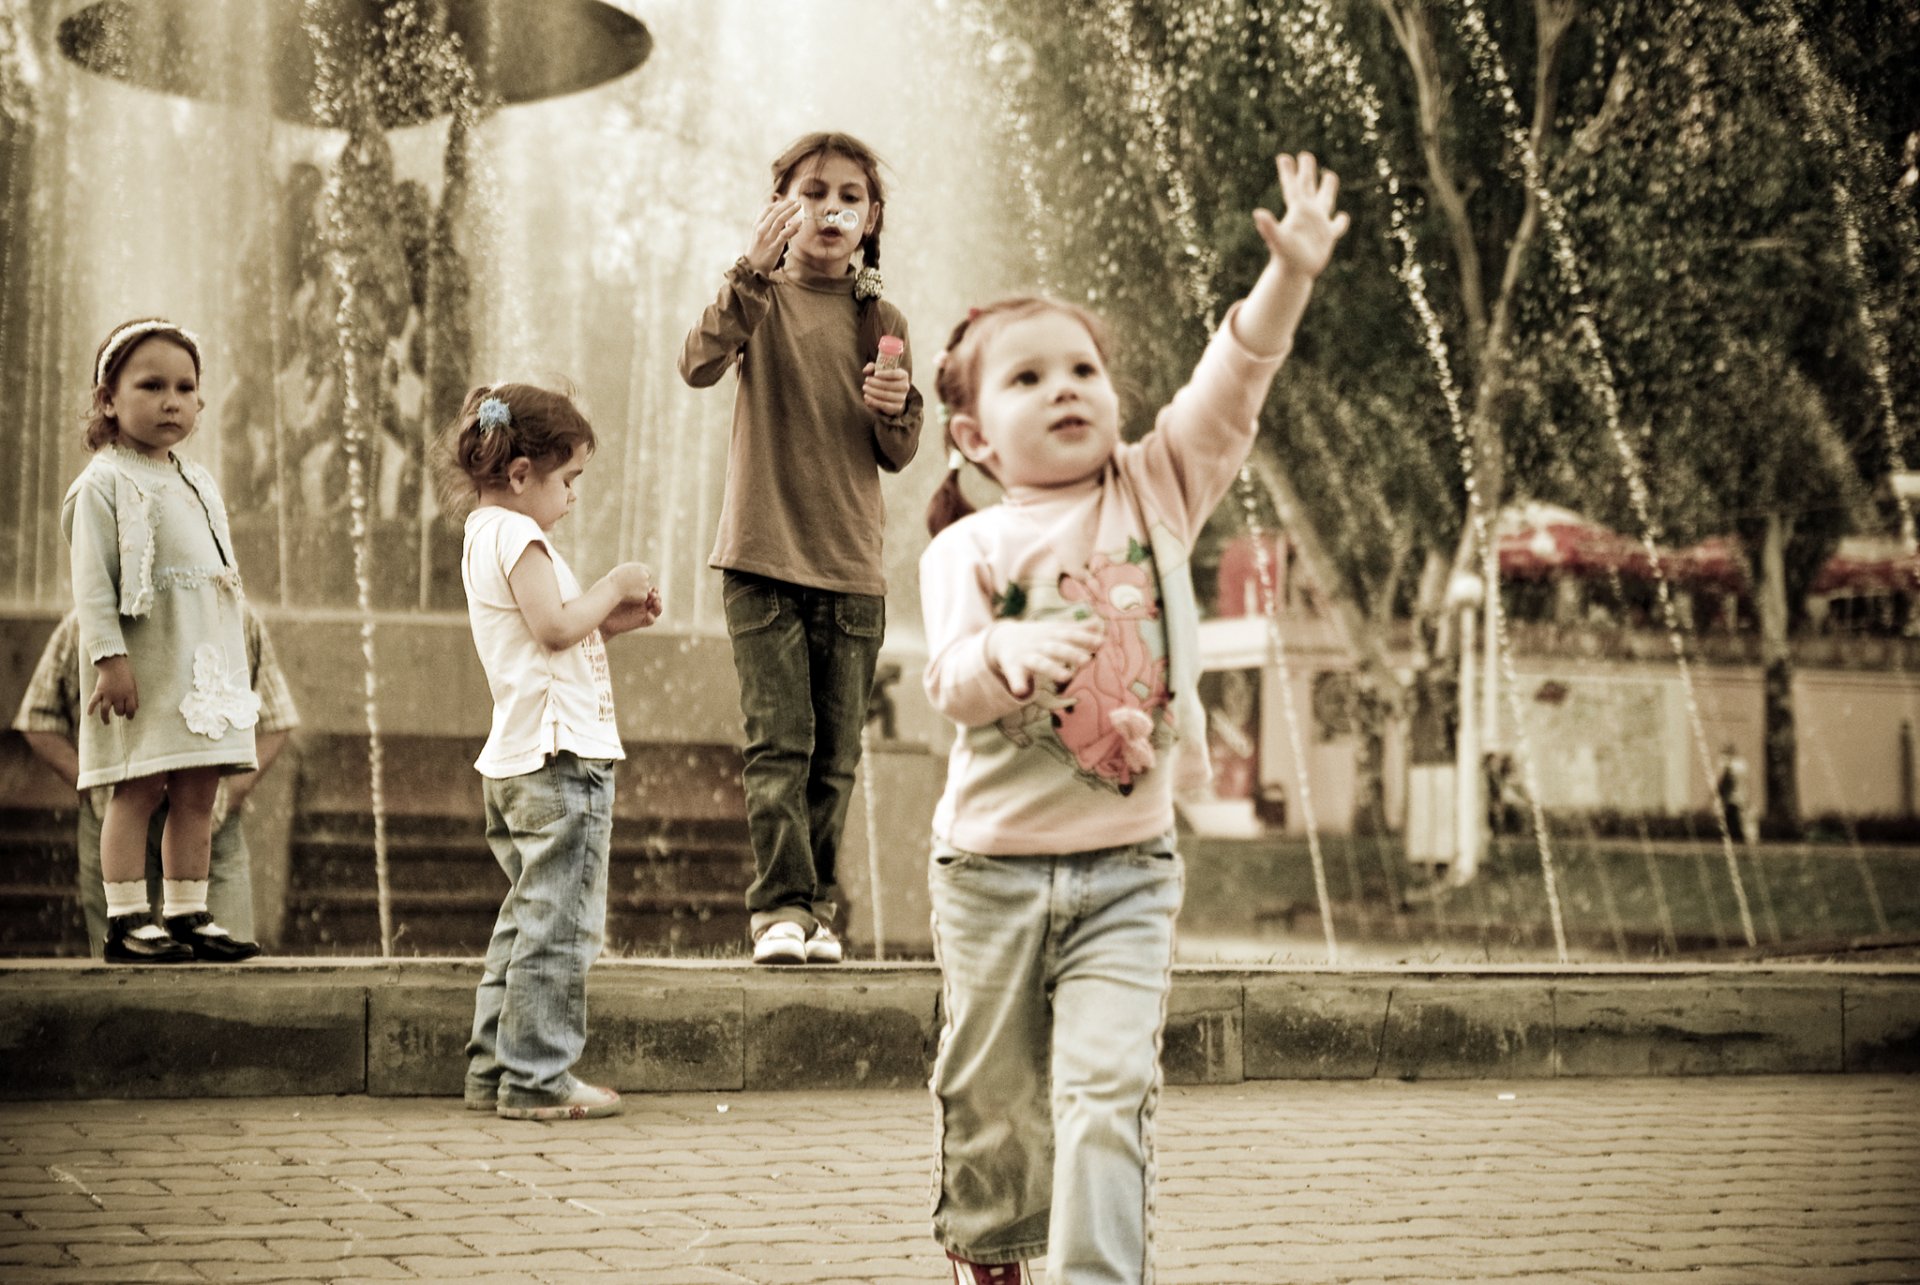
(127,945)
(208,941)
(822,946)
(970,1273)
(586,1102)
(781,943)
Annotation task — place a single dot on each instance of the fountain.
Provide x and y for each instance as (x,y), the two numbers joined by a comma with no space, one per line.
(405,196)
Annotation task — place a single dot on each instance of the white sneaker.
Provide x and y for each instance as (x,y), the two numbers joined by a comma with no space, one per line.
(822,946)
(585,1102)
(781,943)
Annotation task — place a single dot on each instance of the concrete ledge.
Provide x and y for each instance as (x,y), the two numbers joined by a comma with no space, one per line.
(73,1028)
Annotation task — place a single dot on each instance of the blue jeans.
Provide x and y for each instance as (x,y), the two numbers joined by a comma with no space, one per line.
(550,830)
(805,659)
(229,877)
(1055,973)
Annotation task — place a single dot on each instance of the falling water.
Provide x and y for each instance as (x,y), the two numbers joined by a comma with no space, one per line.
(1834,118)
(347,322)
(20,87)
(1147,94)
(1491,70)
(1314,32)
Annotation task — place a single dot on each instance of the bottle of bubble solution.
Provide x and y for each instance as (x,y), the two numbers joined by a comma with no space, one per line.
(892,348)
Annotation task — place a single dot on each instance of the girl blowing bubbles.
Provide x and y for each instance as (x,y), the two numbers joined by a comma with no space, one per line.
(548,761)
(1062,638)
(814,422)
(158,596)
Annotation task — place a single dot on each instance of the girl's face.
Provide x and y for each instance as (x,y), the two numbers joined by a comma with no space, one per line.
(1046,414)
(548,497)
(155,399)
(830,182)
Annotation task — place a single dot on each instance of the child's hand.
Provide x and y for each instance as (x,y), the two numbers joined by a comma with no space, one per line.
(771,232)
(1026,651)
(886,393)
(634,580)
(1304,239)
(116,692)
(629,616)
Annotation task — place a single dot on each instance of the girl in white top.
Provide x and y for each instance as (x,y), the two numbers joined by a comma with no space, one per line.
(547,766)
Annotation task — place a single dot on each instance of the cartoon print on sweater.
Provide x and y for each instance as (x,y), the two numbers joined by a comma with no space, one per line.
(1105,718)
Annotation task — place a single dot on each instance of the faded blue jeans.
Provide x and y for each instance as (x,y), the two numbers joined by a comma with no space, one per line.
(805,659)
(229,876)
(1055,973)
(550,830)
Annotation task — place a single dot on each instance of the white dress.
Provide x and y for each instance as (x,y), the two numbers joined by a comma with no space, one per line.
(154,579)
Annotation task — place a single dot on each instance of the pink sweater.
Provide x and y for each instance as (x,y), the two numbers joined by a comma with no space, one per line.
(1088,766)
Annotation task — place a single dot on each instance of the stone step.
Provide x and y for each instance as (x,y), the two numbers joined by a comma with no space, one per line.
(398,1027)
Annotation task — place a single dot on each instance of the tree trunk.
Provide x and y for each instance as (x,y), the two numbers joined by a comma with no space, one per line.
(1776,659)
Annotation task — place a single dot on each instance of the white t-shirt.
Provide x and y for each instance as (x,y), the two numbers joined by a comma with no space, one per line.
(544,701)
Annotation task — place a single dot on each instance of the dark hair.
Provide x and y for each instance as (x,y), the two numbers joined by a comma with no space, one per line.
(817,146)
(956,381)
(117,349)
(541,425)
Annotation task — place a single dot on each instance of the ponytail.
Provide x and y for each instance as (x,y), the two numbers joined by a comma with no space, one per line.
(949,504)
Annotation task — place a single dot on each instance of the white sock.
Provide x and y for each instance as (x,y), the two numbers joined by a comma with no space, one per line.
(183,896)
(130,898)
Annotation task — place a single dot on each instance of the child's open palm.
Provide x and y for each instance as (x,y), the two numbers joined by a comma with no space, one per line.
(1304,239)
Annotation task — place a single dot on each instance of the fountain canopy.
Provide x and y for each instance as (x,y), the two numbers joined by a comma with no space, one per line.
(416,51)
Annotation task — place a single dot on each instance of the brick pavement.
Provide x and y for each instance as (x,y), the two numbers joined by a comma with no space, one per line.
(1748,1181)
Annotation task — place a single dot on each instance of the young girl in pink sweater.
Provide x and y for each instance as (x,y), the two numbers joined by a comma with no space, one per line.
(1062,638)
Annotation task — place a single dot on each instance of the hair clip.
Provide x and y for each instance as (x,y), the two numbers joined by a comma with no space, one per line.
(868,283)
(494,414)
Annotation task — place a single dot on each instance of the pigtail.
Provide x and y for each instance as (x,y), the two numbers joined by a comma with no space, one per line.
(870,321)
(497,424)
(949,504)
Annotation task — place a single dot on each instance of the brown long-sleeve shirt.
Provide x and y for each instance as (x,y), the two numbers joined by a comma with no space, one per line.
(802,500)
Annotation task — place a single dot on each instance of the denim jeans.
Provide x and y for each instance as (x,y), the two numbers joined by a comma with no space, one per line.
(805,659)
(550,830)
(229,877)
(1055,973)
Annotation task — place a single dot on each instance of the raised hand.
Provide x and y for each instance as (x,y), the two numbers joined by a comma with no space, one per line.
(771,232)
(1303,240)
(1028,651)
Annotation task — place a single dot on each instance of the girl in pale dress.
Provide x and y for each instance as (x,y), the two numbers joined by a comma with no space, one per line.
(170,708)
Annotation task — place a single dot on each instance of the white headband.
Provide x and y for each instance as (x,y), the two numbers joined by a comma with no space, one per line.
(120,338)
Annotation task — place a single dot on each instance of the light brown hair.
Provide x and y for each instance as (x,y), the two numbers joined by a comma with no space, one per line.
(117,349)
(956,381)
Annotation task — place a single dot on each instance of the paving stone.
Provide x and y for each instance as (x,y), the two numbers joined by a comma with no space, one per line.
(144,1032)
(1440,1029)
(1695,1027)
(1882,1027)
(834,1032)
(1327,1027)
(1202,1041)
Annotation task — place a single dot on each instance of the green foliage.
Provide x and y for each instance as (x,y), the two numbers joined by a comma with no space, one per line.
(1704,221)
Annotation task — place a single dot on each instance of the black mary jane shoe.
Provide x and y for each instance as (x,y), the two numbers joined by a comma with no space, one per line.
(126,946)
(213,948)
